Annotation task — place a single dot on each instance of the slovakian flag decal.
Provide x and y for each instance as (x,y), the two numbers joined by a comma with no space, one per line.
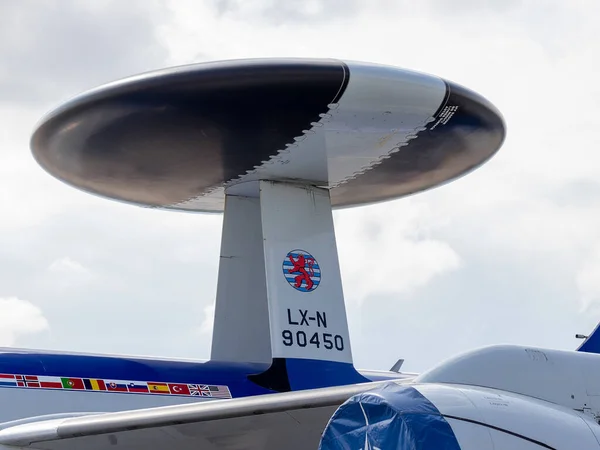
(115,386)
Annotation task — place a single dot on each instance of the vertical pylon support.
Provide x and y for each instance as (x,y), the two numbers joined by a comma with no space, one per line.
(279,293)
(241,324)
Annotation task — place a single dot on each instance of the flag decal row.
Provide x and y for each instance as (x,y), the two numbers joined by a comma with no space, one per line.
(106,385)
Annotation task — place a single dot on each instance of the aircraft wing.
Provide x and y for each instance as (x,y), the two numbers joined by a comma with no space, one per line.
(292,420)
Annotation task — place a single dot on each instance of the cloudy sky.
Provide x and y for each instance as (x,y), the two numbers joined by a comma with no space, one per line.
(508,254)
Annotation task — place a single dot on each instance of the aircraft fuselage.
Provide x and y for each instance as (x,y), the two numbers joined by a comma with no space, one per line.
(37,383)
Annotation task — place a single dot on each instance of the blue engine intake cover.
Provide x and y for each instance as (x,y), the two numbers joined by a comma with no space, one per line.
(392,417)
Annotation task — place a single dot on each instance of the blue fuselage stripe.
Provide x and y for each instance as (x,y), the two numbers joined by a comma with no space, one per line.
(303,374)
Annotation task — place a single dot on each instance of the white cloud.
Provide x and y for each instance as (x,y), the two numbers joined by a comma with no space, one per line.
(66,266)
(65,273)
(385,250)
(19,318)
(507,250)
(71,45)
(206,327)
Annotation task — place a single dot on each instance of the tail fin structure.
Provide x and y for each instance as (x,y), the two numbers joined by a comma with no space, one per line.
(279,294)
(592,342)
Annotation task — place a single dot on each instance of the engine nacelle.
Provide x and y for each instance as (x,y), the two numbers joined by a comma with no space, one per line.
(455,417)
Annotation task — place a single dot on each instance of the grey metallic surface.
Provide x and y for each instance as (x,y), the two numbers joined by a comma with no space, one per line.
(163,138)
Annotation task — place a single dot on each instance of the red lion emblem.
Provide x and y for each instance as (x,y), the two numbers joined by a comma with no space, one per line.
(300,266)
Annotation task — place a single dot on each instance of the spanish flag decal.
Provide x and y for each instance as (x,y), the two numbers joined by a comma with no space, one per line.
(159,388)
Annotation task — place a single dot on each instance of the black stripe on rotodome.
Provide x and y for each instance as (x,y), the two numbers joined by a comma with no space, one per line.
(222,118)
(439,153)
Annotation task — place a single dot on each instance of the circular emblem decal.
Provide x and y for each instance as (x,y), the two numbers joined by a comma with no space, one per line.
(301,271)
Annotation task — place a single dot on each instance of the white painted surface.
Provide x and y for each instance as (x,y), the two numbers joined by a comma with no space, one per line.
(471,435)
(553,425)
(504,441)
(397,104)
(258,311)
(567,378)
(298,217)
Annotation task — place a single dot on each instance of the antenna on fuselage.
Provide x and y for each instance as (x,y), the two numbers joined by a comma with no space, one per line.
(396,367)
